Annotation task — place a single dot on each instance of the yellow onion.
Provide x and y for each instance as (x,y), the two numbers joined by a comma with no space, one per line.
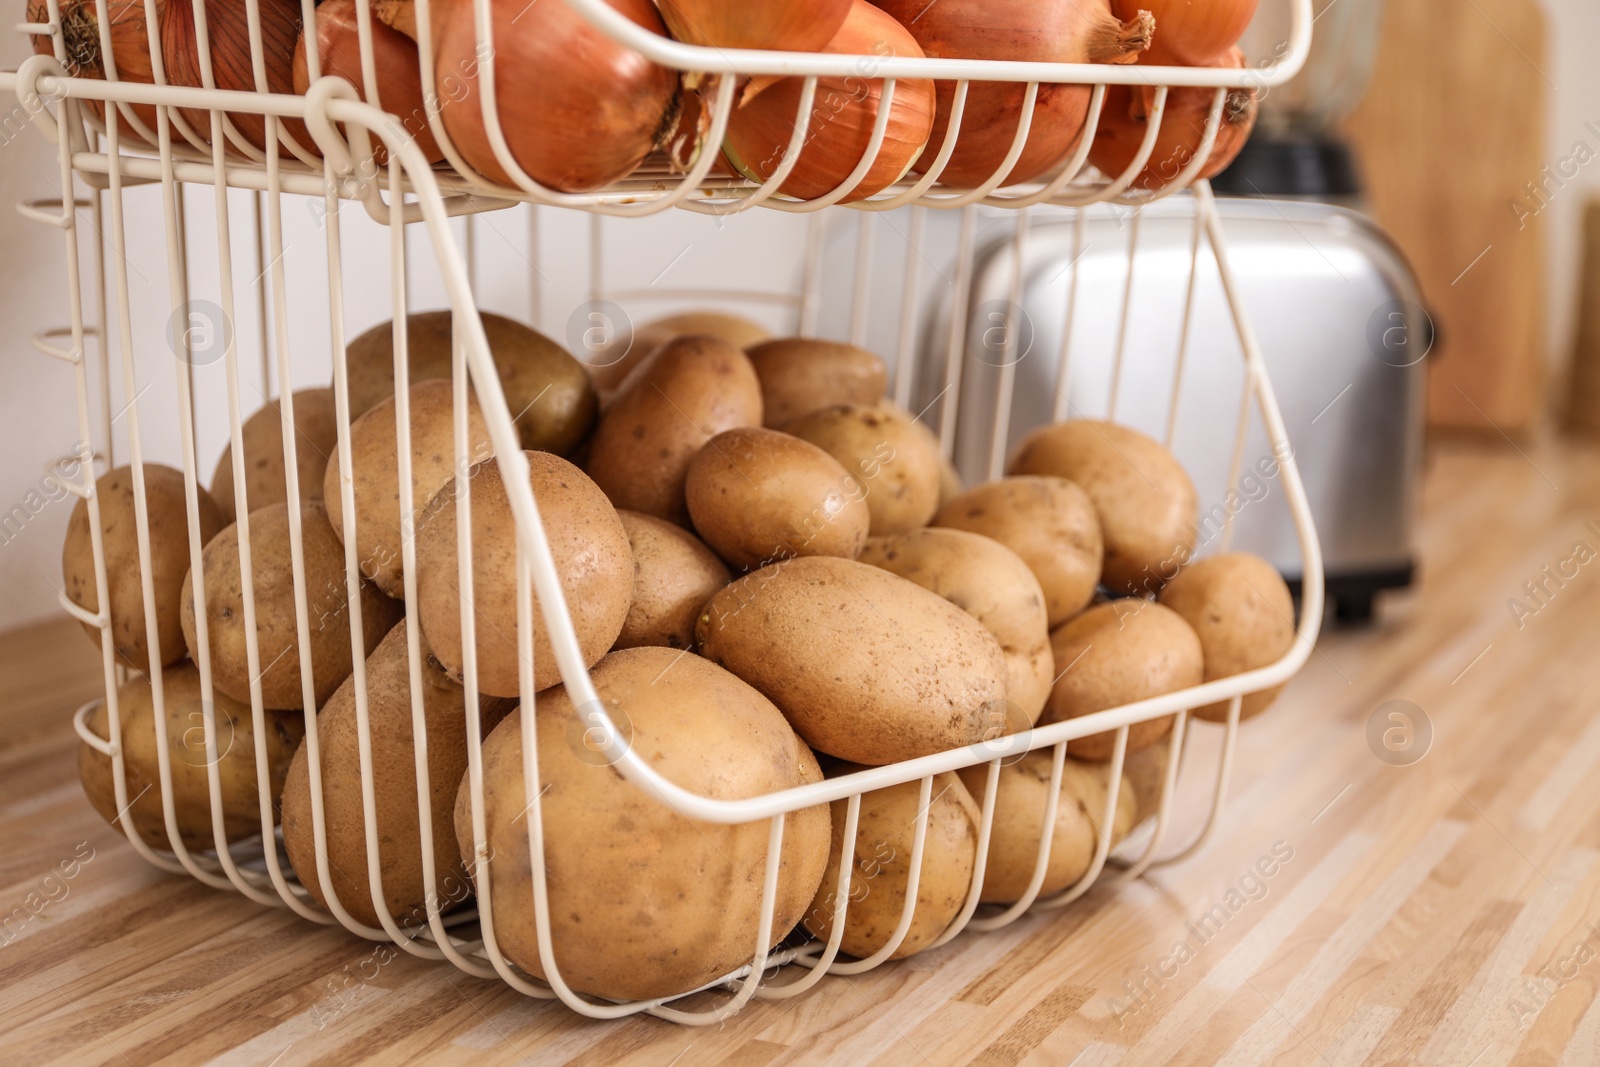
(130,46)
(1192,32)
(787,25)
(228,31)
(842,116)
(397,14)
(395,61)
(1126,117)
(578,110)
(1040,31)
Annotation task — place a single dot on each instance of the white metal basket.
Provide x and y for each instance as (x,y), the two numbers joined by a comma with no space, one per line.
(100,161)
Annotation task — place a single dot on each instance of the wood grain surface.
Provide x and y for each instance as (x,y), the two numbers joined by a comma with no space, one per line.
(1440,913)
(1451,137)
(1582,402)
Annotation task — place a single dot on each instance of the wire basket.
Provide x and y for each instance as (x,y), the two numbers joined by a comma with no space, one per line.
(102,162)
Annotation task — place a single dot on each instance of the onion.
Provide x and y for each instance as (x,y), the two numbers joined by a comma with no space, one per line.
(1193,33)
(130,46)
(789,25)
(395,60)
(687,139)
(1043,31)
(578,110)
(397,14)
(228,31)
(842,115)
(1125,118)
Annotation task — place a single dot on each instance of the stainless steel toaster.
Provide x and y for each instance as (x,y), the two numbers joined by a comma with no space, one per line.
(1334,305)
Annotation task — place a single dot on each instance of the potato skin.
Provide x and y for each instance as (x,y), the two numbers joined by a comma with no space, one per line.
(1244,614)
(591,554)
(888,453)
(1117,653)
(1146,502)
(737,331)
(1020,798)
(316,441)
(757,496)
(548,391)
(327,609)
(191,795)
(1089,782)
(950,482)
(682,395)
(882,867)
(1144,772)
(801,374)
(394,778)
(169,559)
(867,666)
(992,584)
(675,575)
(376,475)
(1049,522)
(643,901)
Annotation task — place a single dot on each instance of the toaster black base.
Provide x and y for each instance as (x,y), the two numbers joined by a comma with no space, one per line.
(1352,595)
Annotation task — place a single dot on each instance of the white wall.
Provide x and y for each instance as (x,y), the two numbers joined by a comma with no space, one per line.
(762,250)
(37,407)
(38,399)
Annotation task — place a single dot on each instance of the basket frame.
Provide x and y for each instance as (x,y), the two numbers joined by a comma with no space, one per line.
(407,190)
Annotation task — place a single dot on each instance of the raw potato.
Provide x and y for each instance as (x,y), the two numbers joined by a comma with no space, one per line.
(868,667)
(169,559)
(685,393)
(1117,653)
(992,584)
(187,760)
(882,867)
(1146,502)
(376,478)
(394,779)
(548,392)
(327,611)
(645,902)
(629,351)
(1049,522)
(1145,772)
(801,374)
(888,453)
(758,496)
(1088,783)
(1242,610)
(316,432)
(587,543)
(950,483)
(676,575)
(1020,798)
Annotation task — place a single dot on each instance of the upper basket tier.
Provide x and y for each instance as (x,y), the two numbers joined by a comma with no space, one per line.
(213,108)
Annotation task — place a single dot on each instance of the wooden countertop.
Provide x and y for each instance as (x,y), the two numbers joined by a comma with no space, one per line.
(1438,913)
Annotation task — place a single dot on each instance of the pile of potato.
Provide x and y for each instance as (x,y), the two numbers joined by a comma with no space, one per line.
(756,502)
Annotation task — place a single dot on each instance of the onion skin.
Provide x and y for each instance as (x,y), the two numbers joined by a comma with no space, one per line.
(1124,119)
(130,47)
(786,25)
(578,110)
(1193,33)
(228,28)
(395,59)
(842,116)
(397,14)
(1056,31)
